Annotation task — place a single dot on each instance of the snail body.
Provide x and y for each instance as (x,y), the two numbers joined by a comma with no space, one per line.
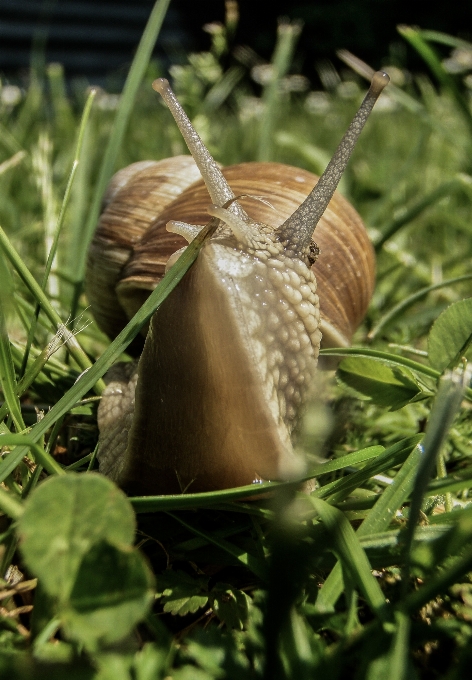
(230,355)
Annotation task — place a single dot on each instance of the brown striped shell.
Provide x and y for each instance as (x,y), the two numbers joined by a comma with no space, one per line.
(131,246)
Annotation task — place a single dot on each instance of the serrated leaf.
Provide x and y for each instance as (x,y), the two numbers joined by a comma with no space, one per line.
(181,606)
(181,594)
(450,335)
(386,386)
(230,605)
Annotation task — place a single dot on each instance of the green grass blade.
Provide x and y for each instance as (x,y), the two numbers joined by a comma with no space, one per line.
(349,460)
(10,505)
(29,377)
(384,357)
(40,455)
(127,101)
(198,500)
(378,520)
(7,375)
(417,40)
(444,410)
(246,559)
(35,289)
(451,483)
(456,569)
(60,223)
(222,89)
(409,301)
(399,652)
(211,498)
(287,35)
(338,490)
(91,376)
(444,39)
(393,497)
(67,193)
(408,214)
(11,461)
(352,554)
(7,369)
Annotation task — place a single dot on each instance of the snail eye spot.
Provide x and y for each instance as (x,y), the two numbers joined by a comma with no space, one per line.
(313,253)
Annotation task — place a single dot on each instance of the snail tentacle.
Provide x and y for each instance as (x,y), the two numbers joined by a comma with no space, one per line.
(218,188)
(297,231)
(188,231)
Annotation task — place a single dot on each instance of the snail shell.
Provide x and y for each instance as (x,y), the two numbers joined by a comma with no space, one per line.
(131,246)
(230,355)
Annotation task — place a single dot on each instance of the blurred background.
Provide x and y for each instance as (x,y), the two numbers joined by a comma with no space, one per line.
(96,39)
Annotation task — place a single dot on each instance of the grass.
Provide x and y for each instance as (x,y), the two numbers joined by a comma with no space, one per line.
(367,575)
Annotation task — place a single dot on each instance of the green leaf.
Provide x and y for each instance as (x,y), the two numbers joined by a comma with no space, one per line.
(63,518)
(230,605)
(181,594)
(111,594)
(76,535)
(451,335)
(152,661)
(385,386)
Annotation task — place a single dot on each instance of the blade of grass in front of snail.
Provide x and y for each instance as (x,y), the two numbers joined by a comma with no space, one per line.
(90,377)
(298,229)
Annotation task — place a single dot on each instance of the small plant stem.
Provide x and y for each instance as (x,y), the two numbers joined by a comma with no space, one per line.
(10,504)
(40,455)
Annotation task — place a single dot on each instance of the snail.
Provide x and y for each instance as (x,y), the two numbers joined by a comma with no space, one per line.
(229,357)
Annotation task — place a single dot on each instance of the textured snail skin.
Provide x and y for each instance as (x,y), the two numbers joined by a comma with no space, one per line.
(230,355)
(250,368)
